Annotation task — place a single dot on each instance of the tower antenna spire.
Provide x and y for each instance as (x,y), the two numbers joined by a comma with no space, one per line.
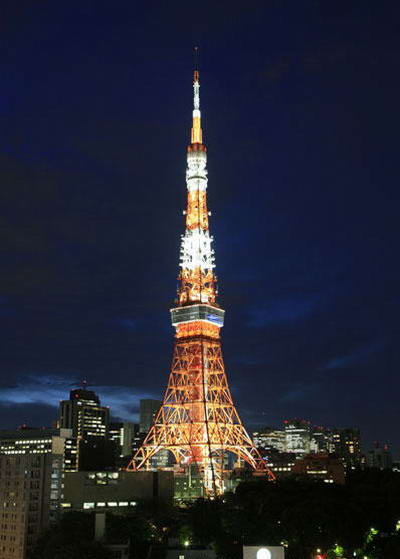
(197,134)
(196,58)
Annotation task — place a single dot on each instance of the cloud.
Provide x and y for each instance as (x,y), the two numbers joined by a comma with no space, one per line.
(128,323)
(300,393)
(288,310)
(359,355)
(48,391)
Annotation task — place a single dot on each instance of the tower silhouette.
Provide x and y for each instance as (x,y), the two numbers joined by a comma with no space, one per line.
(198,422)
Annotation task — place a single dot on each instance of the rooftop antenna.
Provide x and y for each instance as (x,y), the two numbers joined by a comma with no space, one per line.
(83,383)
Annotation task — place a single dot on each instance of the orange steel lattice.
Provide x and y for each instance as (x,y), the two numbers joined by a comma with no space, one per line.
(198,422)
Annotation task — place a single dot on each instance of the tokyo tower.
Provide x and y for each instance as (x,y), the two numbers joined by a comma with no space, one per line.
(198,422)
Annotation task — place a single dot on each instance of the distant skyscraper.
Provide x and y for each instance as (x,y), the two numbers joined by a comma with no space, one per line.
(31,469)
(123,433)
(84,414)
(89,422)
(269,438)
(148,410)
(379,457)
(346,444)
(298,435)
(320,441)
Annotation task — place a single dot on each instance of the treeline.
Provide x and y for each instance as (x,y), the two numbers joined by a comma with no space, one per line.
(358,518)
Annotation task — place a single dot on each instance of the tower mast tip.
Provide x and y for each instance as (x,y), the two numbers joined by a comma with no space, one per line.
(196,64)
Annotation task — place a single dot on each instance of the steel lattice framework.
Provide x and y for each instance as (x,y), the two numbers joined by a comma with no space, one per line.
(198,422)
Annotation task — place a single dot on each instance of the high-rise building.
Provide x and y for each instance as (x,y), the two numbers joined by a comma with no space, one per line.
(321,440)
(345,443)
(84,414)
(298,435)
(198,422)
(89,422)
(270,439)
(147,412)
(379,457)
(123,433)
(31,469)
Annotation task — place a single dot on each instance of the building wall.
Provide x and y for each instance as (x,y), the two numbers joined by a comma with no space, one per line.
(148,409)
(89,422)
(322,467)
(298,436)
(123,433)
(270,439)
(30,486)
(115,490)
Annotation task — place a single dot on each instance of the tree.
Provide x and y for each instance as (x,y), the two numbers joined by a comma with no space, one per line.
(71,538)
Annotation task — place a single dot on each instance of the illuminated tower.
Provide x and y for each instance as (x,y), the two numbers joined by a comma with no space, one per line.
(198,422)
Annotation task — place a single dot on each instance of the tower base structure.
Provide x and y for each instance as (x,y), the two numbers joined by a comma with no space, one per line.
(198,422)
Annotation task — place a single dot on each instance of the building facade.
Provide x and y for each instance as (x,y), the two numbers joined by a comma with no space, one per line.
(270,439)
(89,423)
(123,434)
(148,409)
(116,491)
(31,470)
(322,467)
(298,436)
(379,457)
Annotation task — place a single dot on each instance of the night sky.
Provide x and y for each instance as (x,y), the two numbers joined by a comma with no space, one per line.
(300,103)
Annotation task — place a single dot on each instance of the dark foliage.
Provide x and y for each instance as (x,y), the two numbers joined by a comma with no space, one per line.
(71,538)
(301,513)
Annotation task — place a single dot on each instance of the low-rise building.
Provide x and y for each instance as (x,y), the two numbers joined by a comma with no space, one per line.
(115,491)
(321,466)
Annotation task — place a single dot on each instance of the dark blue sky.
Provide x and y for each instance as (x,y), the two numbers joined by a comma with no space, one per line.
(301,118)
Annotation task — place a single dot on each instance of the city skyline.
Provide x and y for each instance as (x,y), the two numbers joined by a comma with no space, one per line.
(304,187)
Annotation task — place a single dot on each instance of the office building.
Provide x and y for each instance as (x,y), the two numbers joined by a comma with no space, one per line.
(321,440)
(117,491)
(89,422)
(379,457)
(298,436)
(84,414)
(123,434)
(31,468)
(270,439)
(345,443)
(281,463)
(148,410)
(320,466)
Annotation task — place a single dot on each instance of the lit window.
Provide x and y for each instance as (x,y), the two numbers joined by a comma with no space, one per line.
(88,505)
